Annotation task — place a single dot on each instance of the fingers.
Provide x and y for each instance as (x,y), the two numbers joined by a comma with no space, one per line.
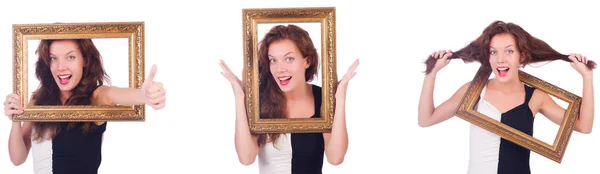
(353,66)
(158,106)
(447,54)
(13,108)
(442,54)
(155,87)
(578,58)
(350,72)
(224,67)
(156,94)
(151,74)
(11,98)
(158,100)
(11,113)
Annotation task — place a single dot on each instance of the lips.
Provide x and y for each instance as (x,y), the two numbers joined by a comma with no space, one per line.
(284,80)
(64,78)
(502,71)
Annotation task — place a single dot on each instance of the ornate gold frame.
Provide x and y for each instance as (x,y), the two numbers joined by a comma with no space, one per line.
(323,15)
(133,31)
(555,152)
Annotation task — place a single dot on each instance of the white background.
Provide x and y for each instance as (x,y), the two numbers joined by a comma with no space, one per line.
(195,132)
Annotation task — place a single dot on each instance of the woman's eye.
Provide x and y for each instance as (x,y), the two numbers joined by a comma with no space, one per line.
(289,59)
(492,52)
(71,57)
(510,51)
(52,58)
(272,60)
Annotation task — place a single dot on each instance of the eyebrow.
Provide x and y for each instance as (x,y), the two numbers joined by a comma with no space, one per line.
(504,47)
(283,55)
(65,54)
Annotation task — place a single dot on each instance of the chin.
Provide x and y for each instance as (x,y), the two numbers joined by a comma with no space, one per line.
(507,78)
(285,88)
(66,88)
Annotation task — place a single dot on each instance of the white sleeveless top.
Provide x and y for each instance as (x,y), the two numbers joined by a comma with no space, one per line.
(276,158)
(42,156)
(484,145)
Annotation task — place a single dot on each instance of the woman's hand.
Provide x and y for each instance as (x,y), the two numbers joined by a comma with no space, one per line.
(441,59)
(343,84)
(153,92)
(579,63)
(12,105)
(236,83)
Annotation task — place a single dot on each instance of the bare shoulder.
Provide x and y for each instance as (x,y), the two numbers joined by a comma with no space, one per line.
(99,96)
(538,97)
(100,89)
(464,88)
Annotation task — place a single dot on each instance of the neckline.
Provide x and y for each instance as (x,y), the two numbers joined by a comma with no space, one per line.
(482,96)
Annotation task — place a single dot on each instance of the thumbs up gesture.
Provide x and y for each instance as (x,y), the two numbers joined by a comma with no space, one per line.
(153,92)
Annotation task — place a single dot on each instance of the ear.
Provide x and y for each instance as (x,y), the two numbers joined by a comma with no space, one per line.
(307,63)
(522,59)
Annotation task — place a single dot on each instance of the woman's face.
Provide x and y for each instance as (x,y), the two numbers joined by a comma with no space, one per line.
(287,64)
(505,58)
(66,64)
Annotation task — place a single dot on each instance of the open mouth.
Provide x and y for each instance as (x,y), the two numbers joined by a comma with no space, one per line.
(284,80)
(502,71)
(64,79)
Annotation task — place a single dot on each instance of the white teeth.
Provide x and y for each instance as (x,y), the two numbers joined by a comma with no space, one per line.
(64,77)
(285,78)
(502,69)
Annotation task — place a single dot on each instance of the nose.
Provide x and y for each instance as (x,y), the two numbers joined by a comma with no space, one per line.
(502,57)
(280,67)
(61,65)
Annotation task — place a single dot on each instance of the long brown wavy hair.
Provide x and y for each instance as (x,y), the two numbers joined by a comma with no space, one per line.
(48,93)
(534,49)
(272,100)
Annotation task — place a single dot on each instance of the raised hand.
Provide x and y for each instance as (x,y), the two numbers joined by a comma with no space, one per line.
(236,83)
(579,63)
(441,59)
(12,105)
(153,92)
(343,84)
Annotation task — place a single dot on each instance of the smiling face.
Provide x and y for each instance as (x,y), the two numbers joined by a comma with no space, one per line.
(505,57)
(66,64)
(287,64)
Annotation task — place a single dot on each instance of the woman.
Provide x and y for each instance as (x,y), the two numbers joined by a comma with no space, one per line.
(505,47)
(287,61)
(71,73)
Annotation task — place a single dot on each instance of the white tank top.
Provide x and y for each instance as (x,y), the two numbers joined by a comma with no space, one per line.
(276,158)
(484,145)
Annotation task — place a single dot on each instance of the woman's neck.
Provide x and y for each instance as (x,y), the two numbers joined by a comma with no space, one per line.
(303,91)
(64,96)
(508,86)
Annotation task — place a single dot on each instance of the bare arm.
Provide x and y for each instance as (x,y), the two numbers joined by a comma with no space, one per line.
(109,95)
(336,142)
(151,93)
(585,121)
(430,115)
(246,144)
(19,142)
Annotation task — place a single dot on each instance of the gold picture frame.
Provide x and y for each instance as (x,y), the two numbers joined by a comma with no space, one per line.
(22,33)
(555,152)
(325,17)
